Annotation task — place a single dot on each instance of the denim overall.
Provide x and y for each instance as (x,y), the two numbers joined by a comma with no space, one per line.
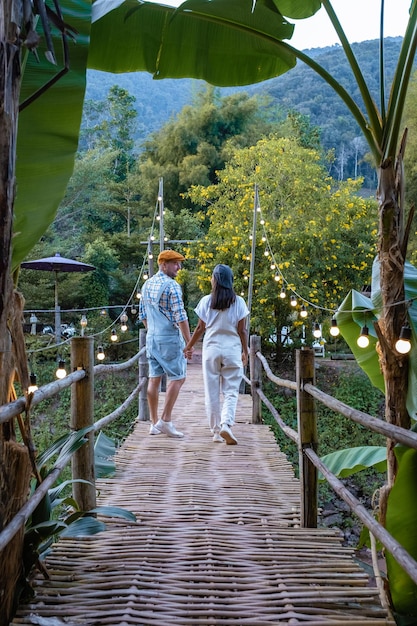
(164,341)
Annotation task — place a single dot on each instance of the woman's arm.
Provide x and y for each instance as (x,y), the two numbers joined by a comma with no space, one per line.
(243,334)
(197,334)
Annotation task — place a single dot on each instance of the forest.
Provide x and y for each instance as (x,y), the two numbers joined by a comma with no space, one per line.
(209,147)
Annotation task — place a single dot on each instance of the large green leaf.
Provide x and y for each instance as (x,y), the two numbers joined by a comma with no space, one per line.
(401,523)
(48,132)
(351,460)
(104,451)
(225,43)
(356,310)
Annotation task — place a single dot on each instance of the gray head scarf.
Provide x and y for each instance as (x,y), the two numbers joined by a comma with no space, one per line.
(224,276)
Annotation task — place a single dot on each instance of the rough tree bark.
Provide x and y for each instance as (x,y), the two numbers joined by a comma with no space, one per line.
(14,460)
(392,242)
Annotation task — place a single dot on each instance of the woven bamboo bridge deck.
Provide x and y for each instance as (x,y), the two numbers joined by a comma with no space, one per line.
(216,542)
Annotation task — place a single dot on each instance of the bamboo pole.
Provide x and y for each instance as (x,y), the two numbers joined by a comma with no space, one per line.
(82,415)
(256,379)
(307,429)
(143,374)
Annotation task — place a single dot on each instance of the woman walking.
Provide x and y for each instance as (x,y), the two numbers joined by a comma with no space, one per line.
(222,319)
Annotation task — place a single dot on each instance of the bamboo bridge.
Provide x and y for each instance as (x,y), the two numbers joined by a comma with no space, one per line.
(217,540)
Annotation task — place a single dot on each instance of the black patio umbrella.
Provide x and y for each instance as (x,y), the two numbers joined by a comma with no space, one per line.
(57,264)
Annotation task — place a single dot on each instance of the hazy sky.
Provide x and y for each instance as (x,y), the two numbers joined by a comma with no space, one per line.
(359,18)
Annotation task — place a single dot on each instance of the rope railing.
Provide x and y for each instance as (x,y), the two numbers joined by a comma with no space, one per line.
(309,461)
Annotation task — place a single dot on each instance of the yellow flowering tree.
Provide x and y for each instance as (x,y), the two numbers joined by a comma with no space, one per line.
(307,227)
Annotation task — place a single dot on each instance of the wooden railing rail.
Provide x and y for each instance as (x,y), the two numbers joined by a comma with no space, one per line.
(306,439)
(81,348)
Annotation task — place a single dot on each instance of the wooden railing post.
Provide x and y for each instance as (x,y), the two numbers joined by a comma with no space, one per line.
(255,378)
(143,373)
(307,430)
(82,415)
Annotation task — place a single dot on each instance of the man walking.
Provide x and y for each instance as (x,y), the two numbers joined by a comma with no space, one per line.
(163,314)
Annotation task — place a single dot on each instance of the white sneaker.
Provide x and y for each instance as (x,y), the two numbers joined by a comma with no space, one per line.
(217,438)
(153,430)
(227,435)
(169,429)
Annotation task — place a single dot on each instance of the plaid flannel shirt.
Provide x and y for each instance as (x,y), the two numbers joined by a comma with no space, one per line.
(170,303)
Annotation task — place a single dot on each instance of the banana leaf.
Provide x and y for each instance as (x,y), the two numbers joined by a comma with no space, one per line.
(48,132)
(104,451)
(401,523)
(220,42)
(352,460)
(358,310)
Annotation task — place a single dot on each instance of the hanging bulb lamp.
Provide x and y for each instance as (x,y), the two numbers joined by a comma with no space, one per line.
(363,339)
(403,343)
(113,335)
(33,386)
(334,328)
(293,300)
(317,330)
(303,311)
(61,372)
(282,293)
(100,354)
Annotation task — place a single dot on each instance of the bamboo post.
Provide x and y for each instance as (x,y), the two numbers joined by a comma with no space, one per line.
(143,373)
(307,430)
(255,378)
(82,415)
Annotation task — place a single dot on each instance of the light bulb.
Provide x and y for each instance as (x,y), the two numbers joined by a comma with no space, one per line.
(33,386)
(293,301)
(100,353)
(277,278)
(303,311)
(83,324)
(133,310)
(272,266)
(123,328)
(103,312)
(138,295)
(363,339)
(334,329)
(317,331)
(61,371)
(403,343)
(113,335)
(266,253)
(282,293)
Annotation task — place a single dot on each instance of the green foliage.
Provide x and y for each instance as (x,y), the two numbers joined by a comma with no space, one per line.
(401,524)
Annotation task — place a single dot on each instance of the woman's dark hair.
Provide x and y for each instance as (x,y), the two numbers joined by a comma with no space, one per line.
(221,297)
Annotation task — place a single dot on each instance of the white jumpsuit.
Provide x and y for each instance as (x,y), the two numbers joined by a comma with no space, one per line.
(222,360)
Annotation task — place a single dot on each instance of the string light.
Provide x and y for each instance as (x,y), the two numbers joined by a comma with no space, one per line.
(103,312)
(282,293)
(123,320)
(138,294)
(100,354)
(113,335)
(317,330)
(33,386)
(61,372)
(293,300)
(277,278)
(363,339)
(303,311)
(403,343)
(83,324)
(334,329)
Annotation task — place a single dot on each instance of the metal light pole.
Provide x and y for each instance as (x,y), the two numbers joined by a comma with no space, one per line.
(253,252)
(161,214)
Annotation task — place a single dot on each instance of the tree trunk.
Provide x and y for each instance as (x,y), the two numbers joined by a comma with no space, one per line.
(14,460)
(391,252)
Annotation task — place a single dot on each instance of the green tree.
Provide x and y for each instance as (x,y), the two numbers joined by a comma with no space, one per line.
(192,148)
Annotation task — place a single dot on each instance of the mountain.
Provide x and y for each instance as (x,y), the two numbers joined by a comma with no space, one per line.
(300,89)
